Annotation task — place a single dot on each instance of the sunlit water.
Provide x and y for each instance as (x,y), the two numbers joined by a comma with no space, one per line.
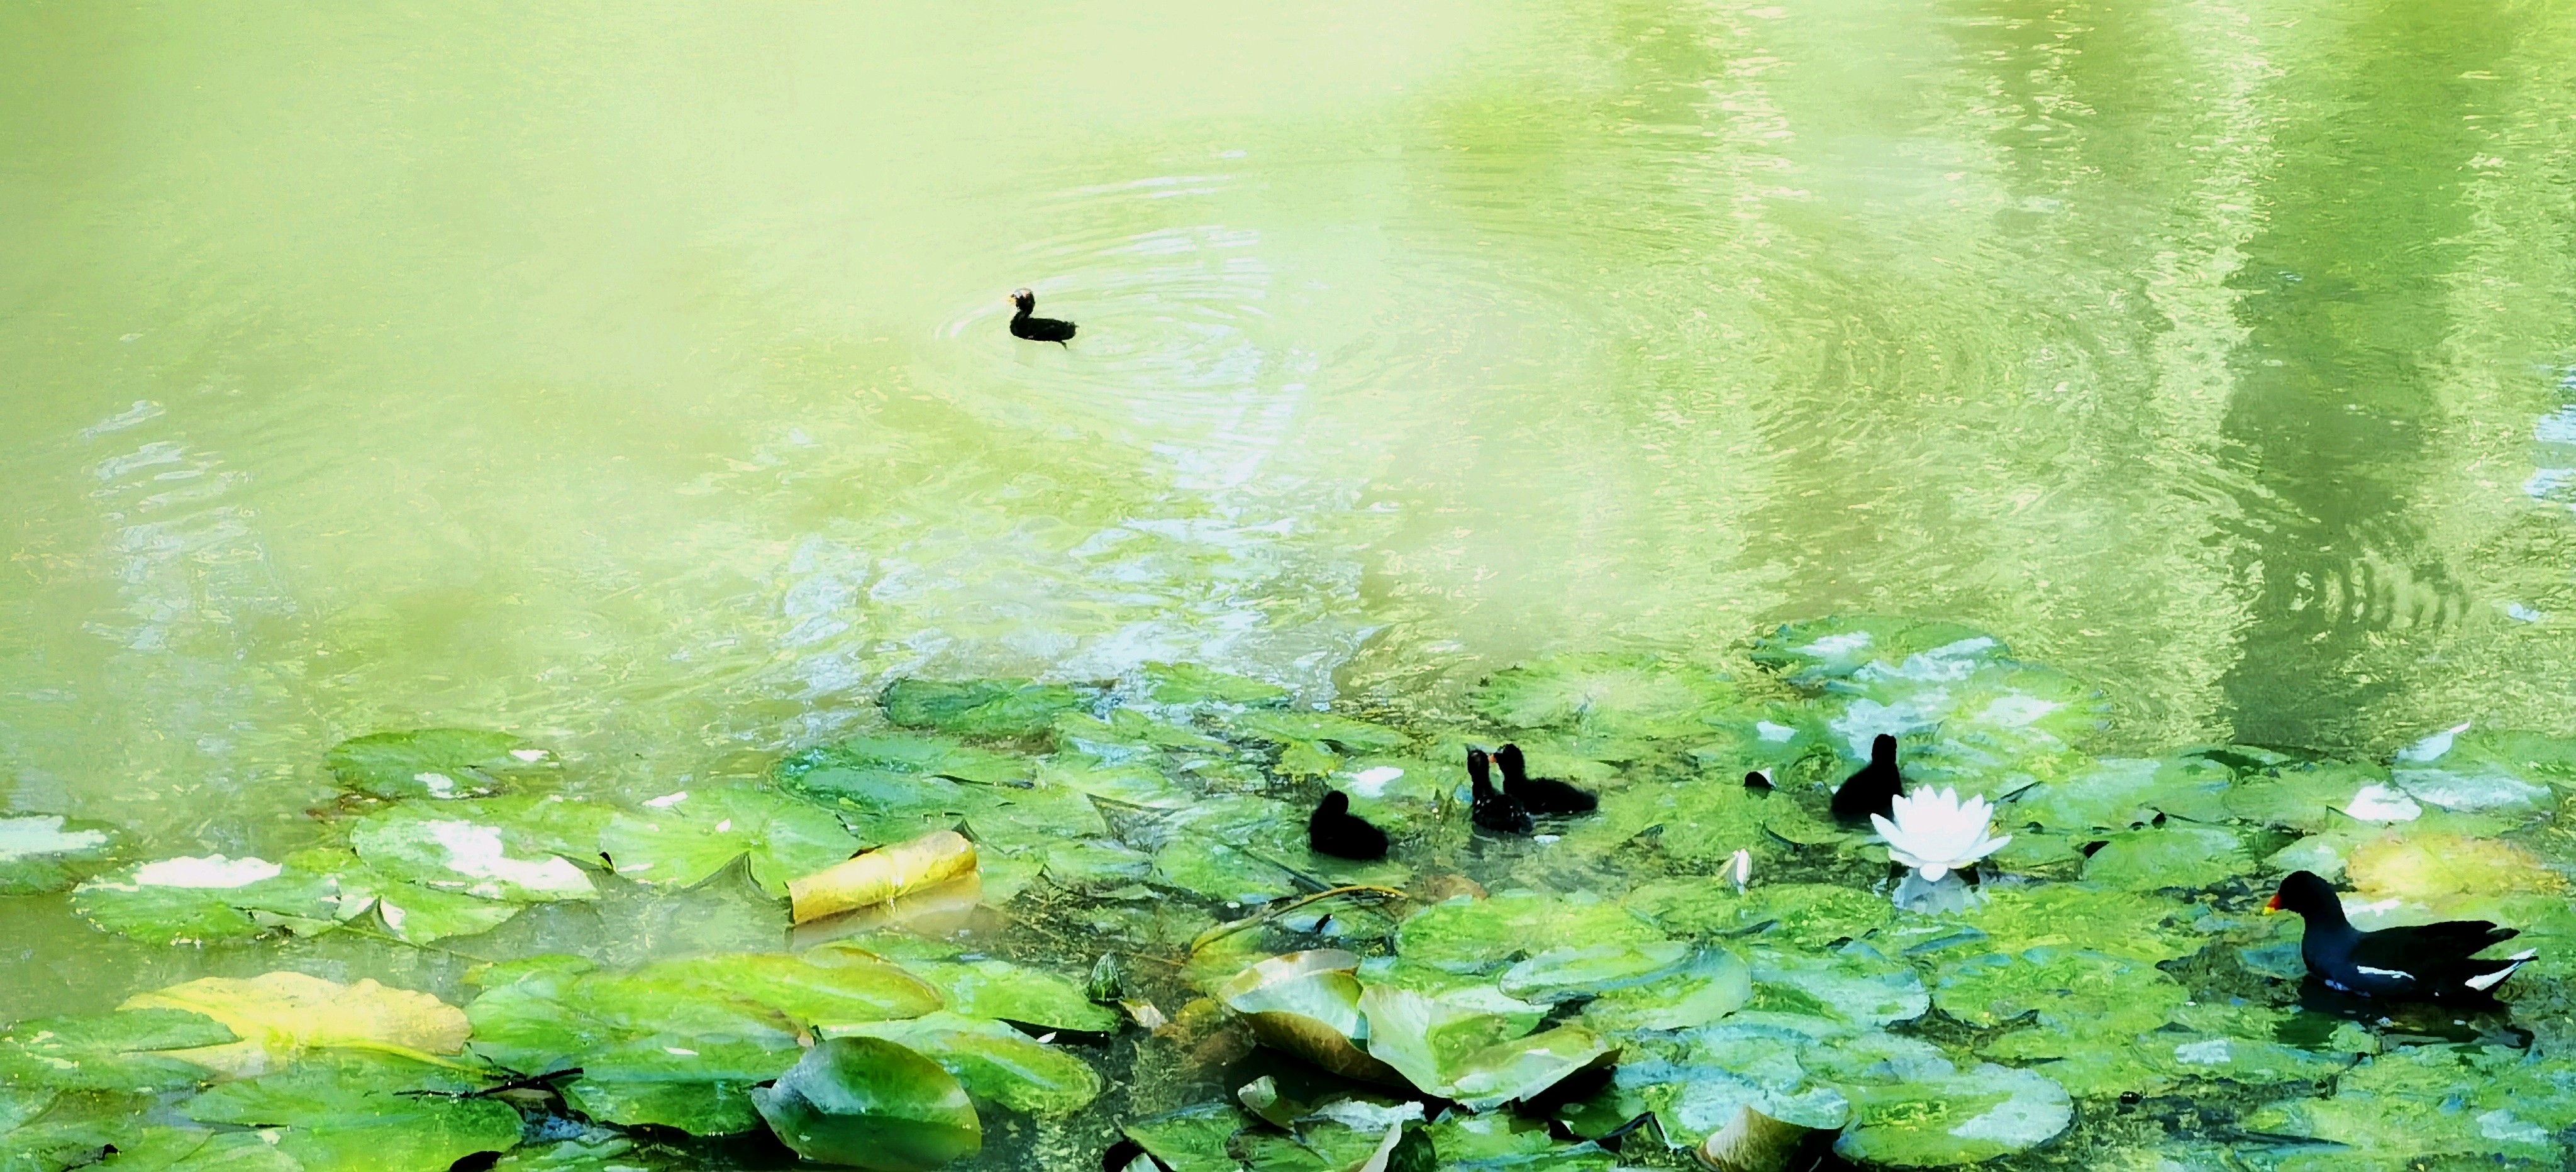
(634,377)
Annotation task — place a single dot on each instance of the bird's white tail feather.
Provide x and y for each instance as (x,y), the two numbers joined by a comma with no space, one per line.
(2493,979)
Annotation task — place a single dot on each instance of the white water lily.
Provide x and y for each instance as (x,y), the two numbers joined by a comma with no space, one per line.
(1935,833)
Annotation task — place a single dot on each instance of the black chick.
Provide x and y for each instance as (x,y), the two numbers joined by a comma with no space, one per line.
(1491,808)
(1540,795)
(2420,962)
(1037,329)
(1334,830)
(1873,790)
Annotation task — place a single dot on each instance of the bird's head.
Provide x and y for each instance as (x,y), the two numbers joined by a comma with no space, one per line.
(2303,892)
(1336,802)
(1023,298)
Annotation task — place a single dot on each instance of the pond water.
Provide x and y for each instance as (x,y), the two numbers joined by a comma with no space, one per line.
(633,379)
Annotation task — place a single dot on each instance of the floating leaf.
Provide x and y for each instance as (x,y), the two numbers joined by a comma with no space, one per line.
(870,765)
(2065,989)
(993,1061)
(1188,683)
(1471,1057)
(1855,983)
(1606,695)
(2483,769)
(429,847)
(1806,915)
(2118,793)
(2082,916)
(685,842)
(2168,857)
(1192,1139)
(2422,1103)
(881,875)
(279,1015)
(207,900)
(1711,985)
(2307,796)
(1220,872)
(869,1103)
(431,762)
(1291,728)
(2439,869)
(126,1051)
(43,852)
(1308,1004)
(1470,935)
(1945,1118)
(1561,974)
(997,988)
(979,708)
(359,1113)
(1812,652)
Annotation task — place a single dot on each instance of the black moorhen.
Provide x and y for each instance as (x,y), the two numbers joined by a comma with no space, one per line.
(2418,962)
(1873,789)
(1335,831)
(1491,808)
(1758,781)
(1540,795)
(1037,329)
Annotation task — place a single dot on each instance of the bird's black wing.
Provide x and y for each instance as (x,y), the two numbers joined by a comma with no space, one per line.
(2424,947)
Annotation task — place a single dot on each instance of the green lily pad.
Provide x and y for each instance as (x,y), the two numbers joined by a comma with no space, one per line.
(2087,992)
(1011,992)
(1313,728)
(121,1051)
(552,1017)
(2084,917)
(1013,709)
(1854,983)
(1802,915)
(702,1089)
(685,840)
(870,1103)
(1472,1057)
(1561,974)
(1941,1119)
(1474,935)
(44,852)
(432,762)
(1190,684)
(429,846)
(2310,796)
(868,764)
(2118,793)
(207,900)
(1126,732)
(1606,695)
(1812,652)
(2168,857)
(993,1061)
(1711,985)
(2425,1103)
(1698,1087)
(1220,872)
(1192,1139)
(1018,818)
(1478,1143)
(353,1112)
(2482,769)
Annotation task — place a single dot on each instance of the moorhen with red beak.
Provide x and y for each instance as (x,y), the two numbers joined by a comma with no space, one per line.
(2418,962)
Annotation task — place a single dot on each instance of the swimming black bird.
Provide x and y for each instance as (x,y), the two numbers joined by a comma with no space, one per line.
(1540,795)
(1037,329)
(1873,789)
(1334,830)
(2419,962)
(1491,808)
(1757,781)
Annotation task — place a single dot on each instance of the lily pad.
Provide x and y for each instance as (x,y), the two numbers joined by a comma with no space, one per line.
(2084,917)
(278,1016)
(1802,915)
(1854,983)
(1713,983)
(1474,935)
(2168,857)
(207,900)
(1220,872)
(427,846)
(1296,728)
(45,852)
(432,762)
(1470,1057)
(1606,695)
(1192,1139)
(2308,797)
(126,1051)
(2483,769)
(1562,974)
(364,1112)
(1012,992)
(870,1103)
(1810,653)
(867,765)
(1308,1004)
(993,1061)
(1190,684)
(2427,1102)
(2085,992)
(686,842)
(2438,869)
(1947,1118)
(980,708)
(2118,793)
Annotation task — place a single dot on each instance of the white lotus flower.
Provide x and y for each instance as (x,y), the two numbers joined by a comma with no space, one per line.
(1935,833)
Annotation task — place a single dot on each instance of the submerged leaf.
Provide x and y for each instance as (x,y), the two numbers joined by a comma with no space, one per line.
(870,1103)
(431,762)
(131,1050)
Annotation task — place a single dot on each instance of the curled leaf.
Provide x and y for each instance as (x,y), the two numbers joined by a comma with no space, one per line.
(869,1103)
(881,875)
(1308,1004)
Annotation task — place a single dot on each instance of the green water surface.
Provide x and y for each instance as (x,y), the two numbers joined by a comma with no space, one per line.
(632,377)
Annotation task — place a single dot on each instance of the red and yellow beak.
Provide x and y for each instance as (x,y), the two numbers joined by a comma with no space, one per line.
(2273,905)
